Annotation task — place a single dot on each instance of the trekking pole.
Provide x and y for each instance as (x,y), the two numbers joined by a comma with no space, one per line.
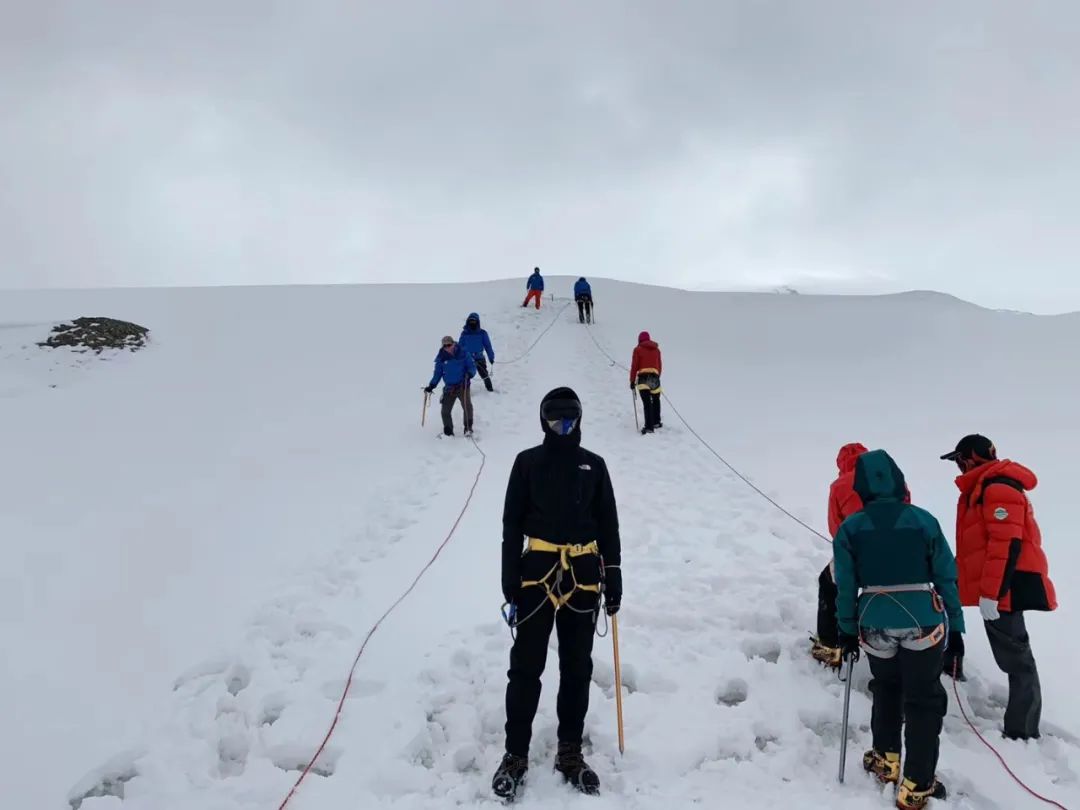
(423,413)
(618,682)
(847,706)
(633,396)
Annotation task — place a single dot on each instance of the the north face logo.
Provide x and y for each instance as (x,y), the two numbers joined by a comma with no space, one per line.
(584,467)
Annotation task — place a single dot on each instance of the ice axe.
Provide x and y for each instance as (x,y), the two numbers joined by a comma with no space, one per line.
(633,397)
(423,413)
(847,705)
(618,682)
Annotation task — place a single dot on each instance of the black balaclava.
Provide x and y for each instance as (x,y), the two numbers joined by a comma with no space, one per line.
(551,438)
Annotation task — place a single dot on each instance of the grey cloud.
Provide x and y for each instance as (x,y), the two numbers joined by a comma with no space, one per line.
(700,143)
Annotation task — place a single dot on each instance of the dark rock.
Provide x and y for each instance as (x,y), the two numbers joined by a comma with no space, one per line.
(97,334)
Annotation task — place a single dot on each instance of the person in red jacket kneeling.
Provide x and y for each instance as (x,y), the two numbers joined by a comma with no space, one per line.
(1003,569)
(844,502)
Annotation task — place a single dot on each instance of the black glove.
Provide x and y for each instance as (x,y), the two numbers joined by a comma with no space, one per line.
(612,589)
(633,385)
(511,578)
(953,662)
(428,389)
(849,646)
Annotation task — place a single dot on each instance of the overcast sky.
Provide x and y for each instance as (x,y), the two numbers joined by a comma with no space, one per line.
(830,146)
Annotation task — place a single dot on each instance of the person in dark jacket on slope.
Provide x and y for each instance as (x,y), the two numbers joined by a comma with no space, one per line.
(583,296)
(456,369)
(475,342)
(535,285)
(560,505)
(897,598)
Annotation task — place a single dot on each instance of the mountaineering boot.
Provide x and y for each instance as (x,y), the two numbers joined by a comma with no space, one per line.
(645,431)
(509,779)
(448,431)
(829,656)
(886,767)
(575,770)
(910,797)
(488,384)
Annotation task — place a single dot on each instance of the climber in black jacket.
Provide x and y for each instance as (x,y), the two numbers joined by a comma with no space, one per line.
(560,504)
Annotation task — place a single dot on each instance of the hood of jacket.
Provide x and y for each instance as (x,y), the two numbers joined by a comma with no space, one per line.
(473,316)
(848,455)
(552,439)
(969,482)
(878,478)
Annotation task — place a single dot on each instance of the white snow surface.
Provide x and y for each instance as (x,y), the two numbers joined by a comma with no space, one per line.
(198,536)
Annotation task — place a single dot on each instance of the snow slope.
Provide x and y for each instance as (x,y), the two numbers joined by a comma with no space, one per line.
(198,537)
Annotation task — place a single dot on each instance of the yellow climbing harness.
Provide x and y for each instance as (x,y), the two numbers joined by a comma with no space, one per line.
(566,552)
(645,386)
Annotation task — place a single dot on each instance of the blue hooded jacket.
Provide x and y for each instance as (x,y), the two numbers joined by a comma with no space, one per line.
(476,342)
(453,369)
(582,288)
(535,281)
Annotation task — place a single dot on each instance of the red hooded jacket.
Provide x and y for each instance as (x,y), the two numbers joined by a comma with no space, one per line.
(999,552)
(843,499)
(646,356)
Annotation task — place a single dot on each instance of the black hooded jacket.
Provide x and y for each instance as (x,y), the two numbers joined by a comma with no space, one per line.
(559,492)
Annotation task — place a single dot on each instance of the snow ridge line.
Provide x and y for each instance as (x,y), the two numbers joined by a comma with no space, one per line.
(375,627)
(1000,758)
(712,450)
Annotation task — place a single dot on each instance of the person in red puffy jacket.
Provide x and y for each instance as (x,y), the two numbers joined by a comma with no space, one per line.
(645,368)
(844,501)
(1003,569)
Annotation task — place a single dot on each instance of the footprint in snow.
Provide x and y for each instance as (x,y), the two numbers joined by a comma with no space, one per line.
(237,679)
(766,649)
(733,693)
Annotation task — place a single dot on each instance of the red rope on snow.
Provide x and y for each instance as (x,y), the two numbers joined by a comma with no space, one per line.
(1001,759)
(375,627)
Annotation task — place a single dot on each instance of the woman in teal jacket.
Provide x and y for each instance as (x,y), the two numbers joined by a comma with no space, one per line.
(897,598)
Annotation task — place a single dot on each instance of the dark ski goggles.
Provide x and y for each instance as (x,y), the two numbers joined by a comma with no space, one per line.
(561,415)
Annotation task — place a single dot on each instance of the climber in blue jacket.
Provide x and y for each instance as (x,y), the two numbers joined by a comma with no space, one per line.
(535,285)
(583,296)
(475,342)
(455,367)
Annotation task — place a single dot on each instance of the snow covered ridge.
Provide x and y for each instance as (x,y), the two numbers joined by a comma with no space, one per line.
(183,633)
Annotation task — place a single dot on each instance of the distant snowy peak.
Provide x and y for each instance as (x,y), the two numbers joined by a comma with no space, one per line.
(785,290)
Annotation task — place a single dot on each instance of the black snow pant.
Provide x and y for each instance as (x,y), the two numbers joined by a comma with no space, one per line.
(450,395)
(584,309)
(907,692)
(482,370)
(575,625)
(827,632)
(1012,651)
(650,404)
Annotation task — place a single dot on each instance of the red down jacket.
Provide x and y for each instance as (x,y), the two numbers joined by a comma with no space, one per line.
(999,551)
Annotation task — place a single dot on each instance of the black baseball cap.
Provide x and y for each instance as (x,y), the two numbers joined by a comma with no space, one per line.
(973,446)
